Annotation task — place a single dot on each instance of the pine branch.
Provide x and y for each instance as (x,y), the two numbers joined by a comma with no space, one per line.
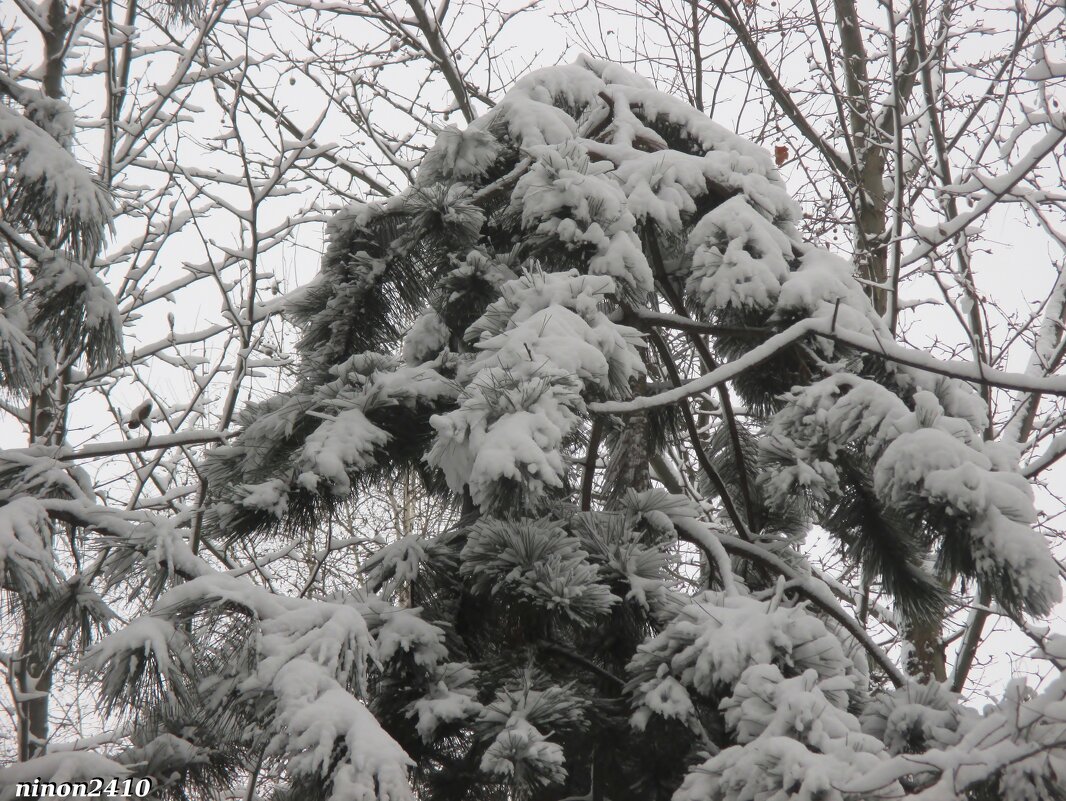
(709,363)
(983,375)
(697,445)
(817,594)
(570,655)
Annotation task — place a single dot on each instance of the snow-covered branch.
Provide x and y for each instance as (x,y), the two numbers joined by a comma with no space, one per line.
(892,351)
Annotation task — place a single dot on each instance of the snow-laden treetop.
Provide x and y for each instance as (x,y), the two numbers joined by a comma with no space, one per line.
(590,284)
(468,326)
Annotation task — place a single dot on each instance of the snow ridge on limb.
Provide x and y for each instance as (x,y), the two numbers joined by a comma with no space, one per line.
(77,766)
(1014,751)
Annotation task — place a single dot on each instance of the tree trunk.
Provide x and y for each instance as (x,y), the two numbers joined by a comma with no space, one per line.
(629,465)
(48,425)
(35,672)
(34,676)
(926,661)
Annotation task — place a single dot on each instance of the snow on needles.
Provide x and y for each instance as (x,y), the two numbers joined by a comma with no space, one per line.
(310,661)
(50,186)
(465,329)
(25,557)
(932,467)
(541,347)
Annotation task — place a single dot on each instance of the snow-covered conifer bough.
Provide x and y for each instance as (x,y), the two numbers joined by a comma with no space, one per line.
(526,328)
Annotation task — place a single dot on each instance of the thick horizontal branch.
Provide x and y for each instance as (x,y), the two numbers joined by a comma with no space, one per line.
(727,372)
(179,439)
(974,372)
(987,749)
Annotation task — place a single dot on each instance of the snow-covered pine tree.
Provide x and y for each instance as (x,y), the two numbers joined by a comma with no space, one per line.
(56,315)
(66,311)
(590,287)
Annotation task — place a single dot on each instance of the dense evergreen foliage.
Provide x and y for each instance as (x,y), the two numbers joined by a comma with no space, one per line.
(592,326)
(467,329)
